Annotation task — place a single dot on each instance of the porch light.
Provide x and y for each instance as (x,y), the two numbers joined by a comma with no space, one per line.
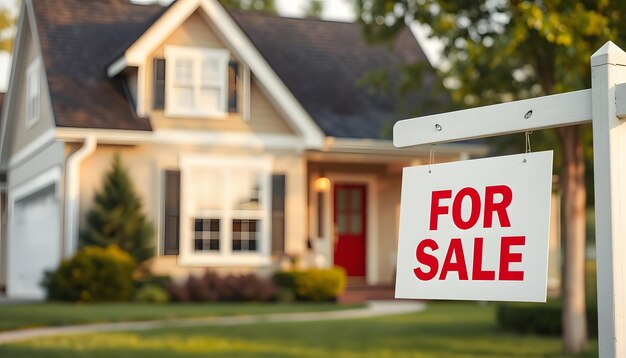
(322,183)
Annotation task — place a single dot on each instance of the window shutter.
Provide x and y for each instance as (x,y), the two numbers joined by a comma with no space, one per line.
(278,214)
(233,76)
(159,83)
(172,213)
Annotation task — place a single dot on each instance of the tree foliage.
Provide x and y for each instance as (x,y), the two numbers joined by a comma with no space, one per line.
(498,51)
(117,218)
(314,9)
(255,5)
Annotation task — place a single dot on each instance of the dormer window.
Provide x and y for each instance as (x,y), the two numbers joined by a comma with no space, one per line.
(196,82)
(33,85)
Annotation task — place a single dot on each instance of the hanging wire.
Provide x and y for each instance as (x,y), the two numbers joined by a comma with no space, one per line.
(528,147)
(431,157)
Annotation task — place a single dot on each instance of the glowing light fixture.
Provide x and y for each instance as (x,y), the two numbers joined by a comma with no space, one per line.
(322,183)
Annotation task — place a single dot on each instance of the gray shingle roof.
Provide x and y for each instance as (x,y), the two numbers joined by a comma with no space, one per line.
(79,39)
(322,63)
(325,65)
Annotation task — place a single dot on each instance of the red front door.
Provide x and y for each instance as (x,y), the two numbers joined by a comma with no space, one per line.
(349,217)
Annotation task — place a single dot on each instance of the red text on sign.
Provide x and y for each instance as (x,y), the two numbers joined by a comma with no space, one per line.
(489,207)
(455,261)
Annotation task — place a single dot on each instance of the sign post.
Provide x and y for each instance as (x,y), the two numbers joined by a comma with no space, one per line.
(604,105)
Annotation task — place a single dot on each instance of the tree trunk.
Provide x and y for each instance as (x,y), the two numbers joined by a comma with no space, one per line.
(573,226)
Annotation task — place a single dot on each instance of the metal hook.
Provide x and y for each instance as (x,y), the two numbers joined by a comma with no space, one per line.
(528,147)
(431,157)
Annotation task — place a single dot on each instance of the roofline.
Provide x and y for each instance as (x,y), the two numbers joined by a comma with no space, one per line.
(232,34)
(385,146)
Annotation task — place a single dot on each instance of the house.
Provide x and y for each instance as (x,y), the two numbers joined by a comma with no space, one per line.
(250,137)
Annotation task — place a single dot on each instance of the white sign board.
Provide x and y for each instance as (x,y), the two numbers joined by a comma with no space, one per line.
(476,229)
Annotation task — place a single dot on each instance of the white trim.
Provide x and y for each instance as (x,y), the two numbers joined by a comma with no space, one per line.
(117,67)
(40,181)
(17,44)
(174,136)
(32,148)
(381,146)
(196,55)
(371,248)
(72,194)
(189,257)
(280,95)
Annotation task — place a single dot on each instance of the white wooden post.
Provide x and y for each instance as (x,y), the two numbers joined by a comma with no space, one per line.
(608,68)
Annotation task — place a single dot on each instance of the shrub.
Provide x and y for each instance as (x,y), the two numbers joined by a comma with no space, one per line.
(212,287)
(313,285)
(93,274)
(540,318)
(152,294)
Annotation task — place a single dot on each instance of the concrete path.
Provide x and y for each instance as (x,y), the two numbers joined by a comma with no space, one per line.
(373,309)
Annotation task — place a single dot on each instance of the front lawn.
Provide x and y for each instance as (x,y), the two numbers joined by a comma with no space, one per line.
(443,330)
(61,314)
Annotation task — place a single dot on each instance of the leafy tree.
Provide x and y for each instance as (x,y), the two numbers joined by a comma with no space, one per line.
(497,51)
(7,27)
(314,9)
(117,218)
(257,5)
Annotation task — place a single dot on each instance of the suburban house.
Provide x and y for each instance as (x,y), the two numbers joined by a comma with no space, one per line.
(251,138)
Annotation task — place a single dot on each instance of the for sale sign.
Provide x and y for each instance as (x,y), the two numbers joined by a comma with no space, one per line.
(476,229)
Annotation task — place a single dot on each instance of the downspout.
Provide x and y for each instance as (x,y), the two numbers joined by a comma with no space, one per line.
(72,193)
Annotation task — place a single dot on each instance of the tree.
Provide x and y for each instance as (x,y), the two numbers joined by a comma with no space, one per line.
(498,51)
(256,5)
(7,27)
(314,9)
(116,217)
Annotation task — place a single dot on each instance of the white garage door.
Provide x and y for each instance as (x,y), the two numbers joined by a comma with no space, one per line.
(35,245)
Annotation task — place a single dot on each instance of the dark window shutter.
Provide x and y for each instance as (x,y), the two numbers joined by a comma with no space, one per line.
(171,225)
(159,83)
(278,214)
(233,77)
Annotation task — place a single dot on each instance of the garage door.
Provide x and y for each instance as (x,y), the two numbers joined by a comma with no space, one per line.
(35,245)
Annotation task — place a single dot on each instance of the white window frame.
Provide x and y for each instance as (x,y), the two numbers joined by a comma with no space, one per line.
(196,55)
(33,78)
(225,256)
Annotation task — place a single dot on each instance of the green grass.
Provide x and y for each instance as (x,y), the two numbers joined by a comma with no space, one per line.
(61,314)
(444,330)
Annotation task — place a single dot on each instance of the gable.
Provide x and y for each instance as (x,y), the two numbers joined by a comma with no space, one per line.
(196,33)
(18,133)
(229,33)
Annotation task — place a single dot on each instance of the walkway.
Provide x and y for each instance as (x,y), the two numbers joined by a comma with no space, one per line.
(373,309)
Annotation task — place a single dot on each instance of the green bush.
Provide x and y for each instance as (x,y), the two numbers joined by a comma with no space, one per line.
(93,274)
(152,294)
(313,285)
(540,318)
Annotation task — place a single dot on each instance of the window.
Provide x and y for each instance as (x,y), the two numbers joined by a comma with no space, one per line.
(227,210)
(33,83)
(196,81)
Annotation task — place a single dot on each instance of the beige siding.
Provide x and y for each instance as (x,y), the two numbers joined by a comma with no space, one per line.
(146,165)
(22,136)
(264,118)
